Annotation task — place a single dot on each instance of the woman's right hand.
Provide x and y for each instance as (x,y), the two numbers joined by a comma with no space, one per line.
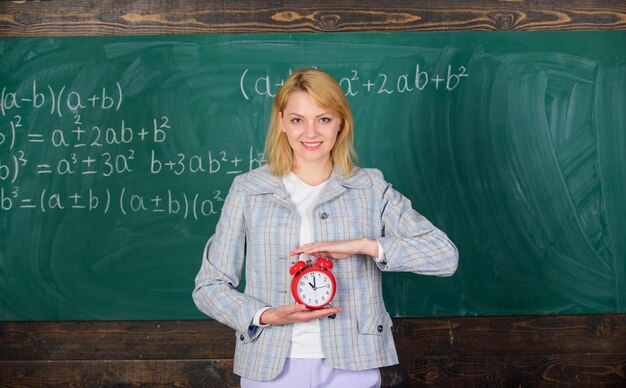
(295,313)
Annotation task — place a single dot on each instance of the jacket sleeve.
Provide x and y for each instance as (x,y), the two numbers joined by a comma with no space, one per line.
(215,292)
(412,243)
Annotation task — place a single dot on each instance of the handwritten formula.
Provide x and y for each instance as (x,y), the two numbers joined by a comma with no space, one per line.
(89,153)
(355,83)
(100,151)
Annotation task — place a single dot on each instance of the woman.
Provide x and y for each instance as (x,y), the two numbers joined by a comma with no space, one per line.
(310,200)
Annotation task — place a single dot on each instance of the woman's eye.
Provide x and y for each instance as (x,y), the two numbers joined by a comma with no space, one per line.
(326,120)
(296,120)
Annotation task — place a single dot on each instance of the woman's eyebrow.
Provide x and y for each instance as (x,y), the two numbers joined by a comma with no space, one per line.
(301,115)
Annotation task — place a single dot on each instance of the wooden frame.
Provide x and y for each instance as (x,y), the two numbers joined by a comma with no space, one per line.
(527,351)
(585,350)
(146,17)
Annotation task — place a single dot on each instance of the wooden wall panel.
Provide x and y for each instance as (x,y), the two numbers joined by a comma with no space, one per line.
(529,351)
(146,17)
(148,373)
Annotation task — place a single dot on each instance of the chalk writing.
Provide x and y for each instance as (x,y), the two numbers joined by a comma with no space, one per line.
(127,201)
(83,148)
(210,163)
(354,83)
(60,100)
(86,149)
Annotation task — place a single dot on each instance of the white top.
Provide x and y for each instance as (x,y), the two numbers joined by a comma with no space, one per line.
(306,340)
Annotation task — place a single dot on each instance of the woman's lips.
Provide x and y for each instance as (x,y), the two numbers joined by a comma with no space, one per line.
(312,146)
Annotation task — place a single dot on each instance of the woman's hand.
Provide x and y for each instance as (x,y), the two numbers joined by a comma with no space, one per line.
(283,315)
(339,249)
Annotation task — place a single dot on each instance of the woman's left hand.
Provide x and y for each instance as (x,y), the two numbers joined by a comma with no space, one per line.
(339,249)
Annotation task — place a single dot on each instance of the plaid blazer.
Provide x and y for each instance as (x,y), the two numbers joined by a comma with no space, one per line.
(259,222)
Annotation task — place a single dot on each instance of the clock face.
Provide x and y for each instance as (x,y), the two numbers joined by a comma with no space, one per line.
(315,289)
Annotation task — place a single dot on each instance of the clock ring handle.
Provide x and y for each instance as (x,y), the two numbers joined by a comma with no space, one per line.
(324,263)
(297,267)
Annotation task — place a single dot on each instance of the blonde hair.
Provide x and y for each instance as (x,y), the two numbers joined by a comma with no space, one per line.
(328,94)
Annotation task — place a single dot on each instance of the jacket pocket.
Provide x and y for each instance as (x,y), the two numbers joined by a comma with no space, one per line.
(375,324)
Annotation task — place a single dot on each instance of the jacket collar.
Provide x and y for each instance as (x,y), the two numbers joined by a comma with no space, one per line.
(262,181)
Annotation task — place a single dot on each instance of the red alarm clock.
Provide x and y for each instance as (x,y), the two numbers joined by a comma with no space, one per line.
(313,285)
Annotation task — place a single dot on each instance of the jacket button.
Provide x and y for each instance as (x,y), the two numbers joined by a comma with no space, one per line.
(324,215)
(380,328)
(241,337)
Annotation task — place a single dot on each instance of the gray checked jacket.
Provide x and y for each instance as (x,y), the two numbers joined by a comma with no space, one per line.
(259,223)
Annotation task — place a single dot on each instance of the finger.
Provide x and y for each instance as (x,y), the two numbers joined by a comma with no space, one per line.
(310,252)
(296,308)
(305,248)
(321,313)
(314,253)
(310,315)
(295,252)
(310,247)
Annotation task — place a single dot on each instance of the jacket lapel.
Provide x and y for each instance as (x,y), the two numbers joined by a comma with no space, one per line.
(337,184)
(262,181)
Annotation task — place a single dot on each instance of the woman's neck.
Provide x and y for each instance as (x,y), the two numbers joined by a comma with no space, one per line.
(314,175)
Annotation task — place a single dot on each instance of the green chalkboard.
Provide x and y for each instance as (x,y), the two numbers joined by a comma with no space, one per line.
(116,154)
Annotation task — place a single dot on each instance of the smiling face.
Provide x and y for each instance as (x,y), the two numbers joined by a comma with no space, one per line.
(311,130)
(306,90)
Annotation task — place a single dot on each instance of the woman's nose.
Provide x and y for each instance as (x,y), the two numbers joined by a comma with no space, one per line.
(310,130)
